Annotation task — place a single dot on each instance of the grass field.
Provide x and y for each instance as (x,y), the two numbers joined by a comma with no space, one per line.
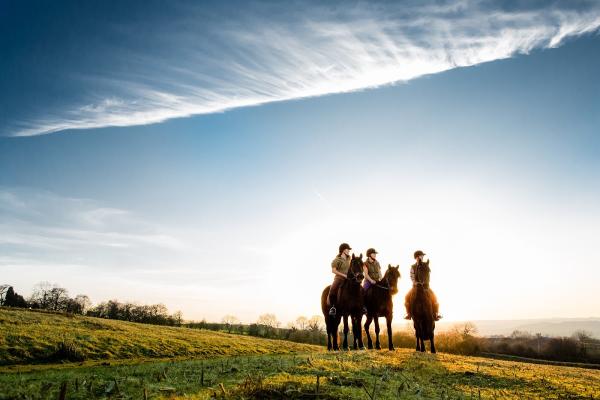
(34,337)
(233,366)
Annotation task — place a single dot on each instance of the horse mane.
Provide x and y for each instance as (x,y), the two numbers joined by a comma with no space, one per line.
(391,278)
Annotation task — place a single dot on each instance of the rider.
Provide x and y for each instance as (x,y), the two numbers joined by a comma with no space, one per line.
(371,269)
(414,276)
(339,267)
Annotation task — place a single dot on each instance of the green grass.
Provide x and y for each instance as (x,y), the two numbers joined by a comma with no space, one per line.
(348,375)
(232,366)
(28,337)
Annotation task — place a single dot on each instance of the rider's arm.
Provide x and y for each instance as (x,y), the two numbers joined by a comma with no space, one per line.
(334,269)
(413,278)
(336,272)
(366,273)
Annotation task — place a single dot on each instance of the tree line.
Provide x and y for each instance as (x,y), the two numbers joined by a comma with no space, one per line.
(302,330)
(53,297)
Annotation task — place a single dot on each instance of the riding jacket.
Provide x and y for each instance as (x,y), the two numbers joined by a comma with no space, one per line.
(419,273)
(374,269)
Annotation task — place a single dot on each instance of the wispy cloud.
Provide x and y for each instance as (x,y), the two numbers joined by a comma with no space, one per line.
(39,221)
(272,54)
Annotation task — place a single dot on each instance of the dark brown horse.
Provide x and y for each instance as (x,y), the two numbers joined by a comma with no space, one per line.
(349,303)
(378,300)
(422,310)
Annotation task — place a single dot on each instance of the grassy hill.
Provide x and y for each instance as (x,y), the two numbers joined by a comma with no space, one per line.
(36,337)
(232,366)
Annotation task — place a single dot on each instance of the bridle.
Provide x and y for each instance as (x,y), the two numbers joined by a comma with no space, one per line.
(354,275)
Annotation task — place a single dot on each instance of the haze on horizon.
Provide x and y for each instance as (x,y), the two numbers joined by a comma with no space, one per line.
(213,158)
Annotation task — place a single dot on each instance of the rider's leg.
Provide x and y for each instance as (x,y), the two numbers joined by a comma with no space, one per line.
(435,305)
(333,294)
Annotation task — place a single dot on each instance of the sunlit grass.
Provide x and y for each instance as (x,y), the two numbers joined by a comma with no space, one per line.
(234,366)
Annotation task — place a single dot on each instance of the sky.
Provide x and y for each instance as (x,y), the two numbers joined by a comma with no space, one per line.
(213,156)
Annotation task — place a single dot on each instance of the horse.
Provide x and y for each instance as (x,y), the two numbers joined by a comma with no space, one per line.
(422,312)
(349,303)
(378,300)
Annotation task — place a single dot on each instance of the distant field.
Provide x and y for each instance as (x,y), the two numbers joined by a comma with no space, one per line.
(205,364)
(34,337)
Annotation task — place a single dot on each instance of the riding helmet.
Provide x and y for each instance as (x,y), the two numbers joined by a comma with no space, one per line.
(418,253)
(344,246)
(371,251)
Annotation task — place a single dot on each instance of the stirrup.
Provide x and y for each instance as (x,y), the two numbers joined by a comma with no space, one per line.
(408,316)
(332,311)
(437,317)
(364,310)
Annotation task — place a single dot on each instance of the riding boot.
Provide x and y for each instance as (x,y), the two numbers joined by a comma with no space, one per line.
(408,315)
(436,311)
(333,294)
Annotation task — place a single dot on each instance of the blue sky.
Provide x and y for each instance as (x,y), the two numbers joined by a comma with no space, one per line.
(192,153)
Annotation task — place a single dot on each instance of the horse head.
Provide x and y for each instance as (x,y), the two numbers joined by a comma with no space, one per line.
(355,272)
(392,274)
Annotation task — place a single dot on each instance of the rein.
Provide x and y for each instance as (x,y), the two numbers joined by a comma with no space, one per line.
(387,280)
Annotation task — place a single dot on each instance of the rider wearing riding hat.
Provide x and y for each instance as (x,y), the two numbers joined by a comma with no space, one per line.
(339,267)
(421,278)
(371,269)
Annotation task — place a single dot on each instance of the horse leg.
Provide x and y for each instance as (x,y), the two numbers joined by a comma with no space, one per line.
(334,332)
(355,324)
(418,336)
(328,324)
(345,344)
(358,334)
(432,344)
(367,326)
(422,345)
(418,348)
(377,345)
(388,320)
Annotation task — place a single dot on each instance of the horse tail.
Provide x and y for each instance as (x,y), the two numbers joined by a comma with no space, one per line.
(324,296)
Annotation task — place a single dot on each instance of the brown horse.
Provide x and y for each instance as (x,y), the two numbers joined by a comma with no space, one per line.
(422,311)
(349,303)
(378,300)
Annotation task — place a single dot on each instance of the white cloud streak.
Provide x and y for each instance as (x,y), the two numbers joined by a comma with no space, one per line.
(318,51)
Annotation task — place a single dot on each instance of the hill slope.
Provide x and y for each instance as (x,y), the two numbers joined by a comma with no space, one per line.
(32,337)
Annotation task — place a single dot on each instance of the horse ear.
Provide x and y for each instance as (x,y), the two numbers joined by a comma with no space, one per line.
(389,266)
(397,267)
(360,256)
(353,257)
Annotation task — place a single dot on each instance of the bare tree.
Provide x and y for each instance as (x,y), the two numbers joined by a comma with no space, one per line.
(177,318)
(269,320)
(315,323)
(49,296)
(301,322)
(229,321)
(83,303)
(3,290)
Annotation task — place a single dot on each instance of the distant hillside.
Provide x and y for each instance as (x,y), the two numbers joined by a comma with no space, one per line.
(548,327)
(32,337)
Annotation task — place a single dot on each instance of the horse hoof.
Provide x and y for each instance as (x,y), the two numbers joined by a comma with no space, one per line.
(392,348)
(362,348)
